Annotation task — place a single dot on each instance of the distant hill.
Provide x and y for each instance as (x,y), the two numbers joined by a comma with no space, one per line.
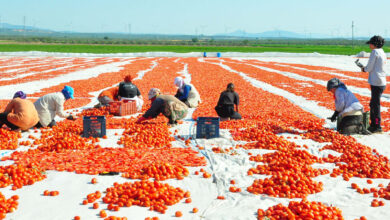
(273,34)
(5,27)
(10,29)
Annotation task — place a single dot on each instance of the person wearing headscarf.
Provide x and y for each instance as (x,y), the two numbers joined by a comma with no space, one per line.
(168,105)
(376,79)
(187,93)
(129,91)
(20,113)
(226,102)
(50,105)
(347,107)
(107,96)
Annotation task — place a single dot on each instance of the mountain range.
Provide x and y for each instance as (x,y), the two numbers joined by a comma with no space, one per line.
(6,28)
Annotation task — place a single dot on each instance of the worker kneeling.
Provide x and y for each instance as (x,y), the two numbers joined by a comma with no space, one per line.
(348,108)
(187,93)
(20,113)
(226,102)
(107,96)
(129,91)
(168,105)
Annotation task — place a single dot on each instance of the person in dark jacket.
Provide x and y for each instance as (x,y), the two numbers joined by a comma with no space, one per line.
(347,107)
(376,79)
(129,91)
(168,105)
(226,102)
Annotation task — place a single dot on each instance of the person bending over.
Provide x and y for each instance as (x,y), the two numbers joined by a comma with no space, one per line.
(20,113)
(50,105)
(107,96)
(347,107)
(168,105)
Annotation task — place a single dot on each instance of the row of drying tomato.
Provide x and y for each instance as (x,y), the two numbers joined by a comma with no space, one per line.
(266,115)
(146,151)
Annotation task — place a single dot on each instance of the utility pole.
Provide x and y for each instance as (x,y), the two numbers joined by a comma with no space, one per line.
(24,26)
(129,26)
(352,32)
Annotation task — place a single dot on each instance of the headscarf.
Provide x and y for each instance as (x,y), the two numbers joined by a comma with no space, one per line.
(68,92)
(153,92)
(20,94)
(179,82)
(128,78)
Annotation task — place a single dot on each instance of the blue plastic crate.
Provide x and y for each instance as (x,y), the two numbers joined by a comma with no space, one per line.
(207,127)
(94,126)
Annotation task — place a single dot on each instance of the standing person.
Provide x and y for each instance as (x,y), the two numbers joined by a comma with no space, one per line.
(186,93)
(107,96)
(376,79)
(129,91)
(50,105)
(226,102)
(348,108)
(20,113)
(168,105)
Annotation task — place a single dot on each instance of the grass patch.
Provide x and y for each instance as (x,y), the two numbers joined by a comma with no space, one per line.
(74,48)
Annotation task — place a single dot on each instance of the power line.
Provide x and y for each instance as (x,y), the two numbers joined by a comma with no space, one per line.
(24,26)
(352,32)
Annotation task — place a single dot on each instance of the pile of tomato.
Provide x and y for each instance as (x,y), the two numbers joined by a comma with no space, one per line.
(19,175)
(9,139)
(300,210)
(159,171)
(155,195)
(8,205)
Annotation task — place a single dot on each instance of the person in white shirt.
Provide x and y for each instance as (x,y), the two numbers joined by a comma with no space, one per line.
(50,105)
(376,79)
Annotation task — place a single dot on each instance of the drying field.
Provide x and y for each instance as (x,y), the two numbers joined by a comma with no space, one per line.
(282,161)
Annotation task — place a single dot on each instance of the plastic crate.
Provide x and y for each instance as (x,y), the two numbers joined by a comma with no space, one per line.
(125,107)
(94,126)
(207,127)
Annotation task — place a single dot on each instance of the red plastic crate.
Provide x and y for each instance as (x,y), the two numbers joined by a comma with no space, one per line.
(126,107)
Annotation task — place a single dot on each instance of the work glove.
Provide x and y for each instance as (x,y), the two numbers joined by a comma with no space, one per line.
(141,120)
(70,117)
(334,116)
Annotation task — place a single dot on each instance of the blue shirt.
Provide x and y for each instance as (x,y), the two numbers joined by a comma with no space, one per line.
(186,92)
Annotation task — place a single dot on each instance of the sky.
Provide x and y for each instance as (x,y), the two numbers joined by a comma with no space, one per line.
(330,17)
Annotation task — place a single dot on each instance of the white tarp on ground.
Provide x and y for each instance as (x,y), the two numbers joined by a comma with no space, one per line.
(173,54)
(74,187)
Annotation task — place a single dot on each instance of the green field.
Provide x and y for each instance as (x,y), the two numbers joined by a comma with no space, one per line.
(74,48)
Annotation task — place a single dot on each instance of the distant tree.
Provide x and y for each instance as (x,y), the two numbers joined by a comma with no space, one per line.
(195,39)
(105,38)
